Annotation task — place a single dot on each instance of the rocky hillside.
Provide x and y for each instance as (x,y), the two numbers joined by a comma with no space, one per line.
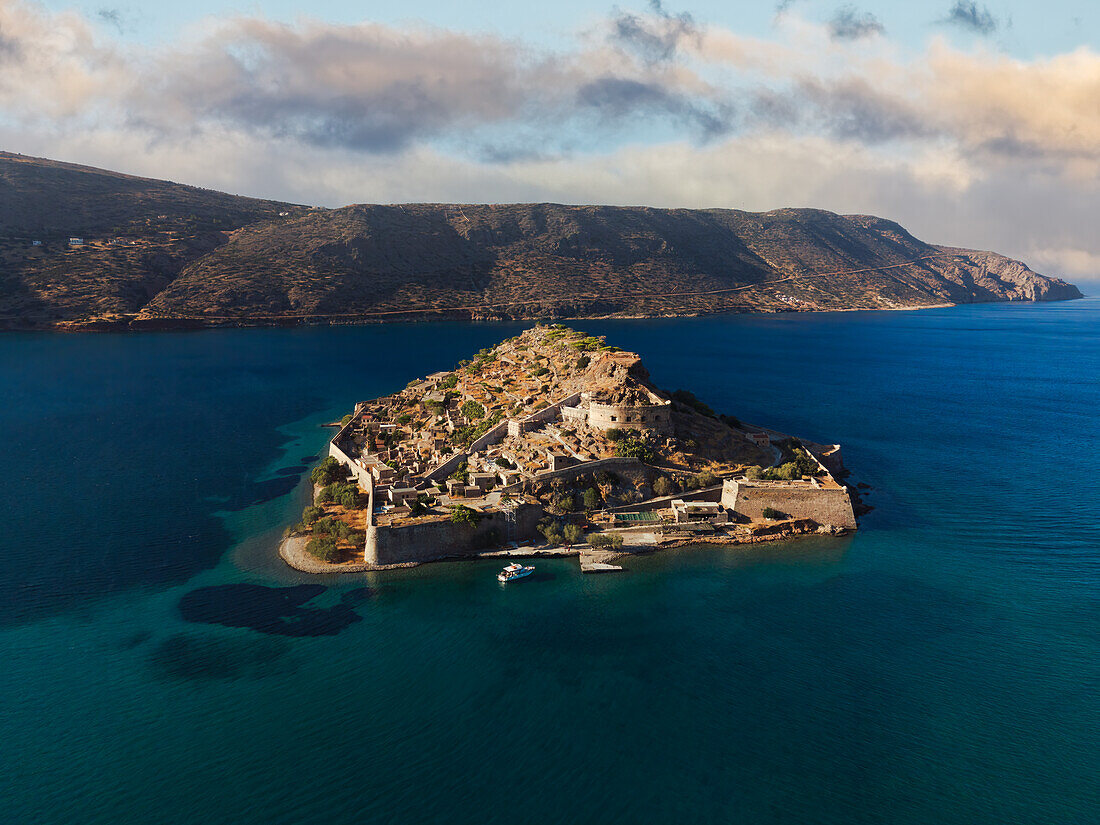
(160,254)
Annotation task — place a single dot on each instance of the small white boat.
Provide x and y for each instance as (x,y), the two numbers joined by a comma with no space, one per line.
(514,571)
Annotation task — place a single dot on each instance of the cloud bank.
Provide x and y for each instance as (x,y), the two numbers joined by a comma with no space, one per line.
(962,145)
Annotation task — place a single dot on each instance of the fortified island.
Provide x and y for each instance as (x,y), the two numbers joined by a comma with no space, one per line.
(554,442)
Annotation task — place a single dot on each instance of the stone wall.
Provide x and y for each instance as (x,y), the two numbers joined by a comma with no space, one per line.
(828,456)
(826,505)
(362,475)
(494,435)
(663,503)
(613,464)
(442,539)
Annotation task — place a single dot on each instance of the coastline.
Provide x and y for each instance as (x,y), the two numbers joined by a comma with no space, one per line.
(292,550)
(194,324)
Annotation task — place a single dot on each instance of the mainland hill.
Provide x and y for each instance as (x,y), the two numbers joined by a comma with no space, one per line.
(84,247)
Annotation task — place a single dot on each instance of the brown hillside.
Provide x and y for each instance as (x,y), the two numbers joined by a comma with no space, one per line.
(160,254)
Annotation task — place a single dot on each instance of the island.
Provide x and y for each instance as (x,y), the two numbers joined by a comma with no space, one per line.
(555,442)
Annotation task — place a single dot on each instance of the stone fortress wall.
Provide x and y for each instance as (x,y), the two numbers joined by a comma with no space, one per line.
(403,544)
(827,505)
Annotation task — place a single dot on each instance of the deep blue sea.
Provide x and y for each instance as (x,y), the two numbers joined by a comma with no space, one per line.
(942,666)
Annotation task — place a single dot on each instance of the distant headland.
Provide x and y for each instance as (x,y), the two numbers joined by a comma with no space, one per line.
(555,442)
(88,249)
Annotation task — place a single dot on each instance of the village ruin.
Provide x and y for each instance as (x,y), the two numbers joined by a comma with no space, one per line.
(554,439)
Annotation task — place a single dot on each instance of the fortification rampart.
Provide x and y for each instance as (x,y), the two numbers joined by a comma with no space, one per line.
(444,539)
(828,505)
(828,456)
(362,475)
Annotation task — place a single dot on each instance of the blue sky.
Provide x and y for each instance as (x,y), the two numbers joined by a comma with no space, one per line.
(972,124)
(1025,29)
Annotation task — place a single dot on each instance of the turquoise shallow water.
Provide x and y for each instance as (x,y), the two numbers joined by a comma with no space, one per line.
(941,666)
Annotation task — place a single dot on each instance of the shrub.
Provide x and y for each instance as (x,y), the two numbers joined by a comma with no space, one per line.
(613,540)
(583,362)
(552,533)
(329,526)
(541,371)
(323,548)
(564,503)
(687,398)
(311,514)
(449,383)
(349,497)
(707,479)
(326,495)
(772,513)
(345,421)
(572,534)
(755,471)
(634,447)
(613,434)
(462,514)
(591,498)
(328,471)
(472,410)
(663,487)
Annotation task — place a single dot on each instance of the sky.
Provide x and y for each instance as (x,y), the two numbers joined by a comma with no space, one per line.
(971,124)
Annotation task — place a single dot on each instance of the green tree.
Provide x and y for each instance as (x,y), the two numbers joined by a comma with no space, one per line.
(349,498)
(707,479)
(564,503)
(473,410)
(571,534)
(323,547)
(613,540)
(328,471)
(772,513)
(591,498)
(613,434)
(583,362)
(551,532)
(311,514)
(663,486)
(462,514)
(634,447)
(332,527)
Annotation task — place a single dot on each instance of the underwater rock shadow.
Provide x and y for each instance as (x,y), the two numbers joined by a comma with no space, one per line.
(186,657)
(277,611)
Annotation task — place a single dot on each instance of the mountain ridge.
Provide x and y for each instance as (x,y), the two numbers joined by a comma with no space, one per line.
(158,254)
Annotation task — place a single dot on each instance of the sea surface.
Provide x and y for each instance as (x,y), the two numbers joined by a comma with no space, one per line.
(161,665)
